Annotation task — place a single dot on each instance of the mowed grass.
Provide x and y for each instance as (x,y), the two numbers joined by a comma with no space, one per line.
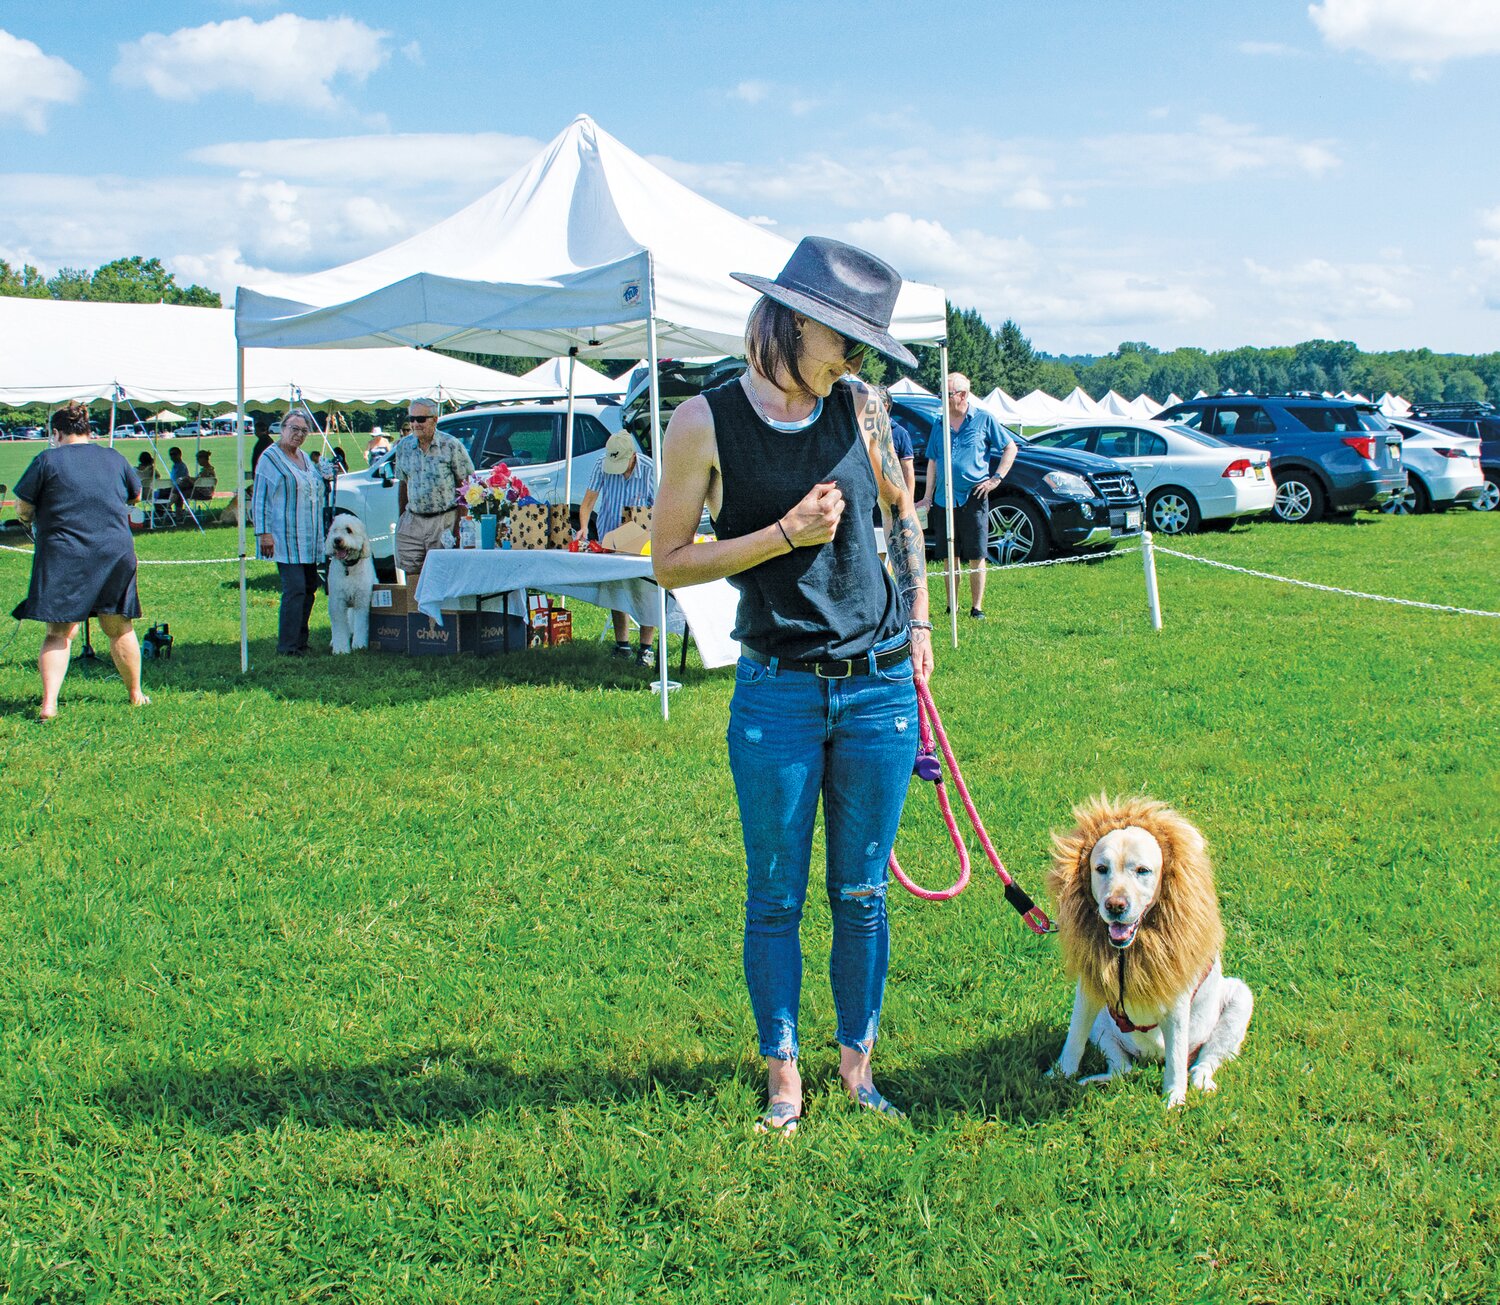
(376,980)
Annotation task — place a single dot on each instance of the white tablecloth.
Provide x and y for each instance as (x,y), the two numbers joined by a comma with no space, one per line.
(454,577)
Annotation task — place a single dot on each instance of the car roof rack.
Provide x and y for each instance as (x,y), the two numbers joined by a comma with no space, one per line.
(1469,408)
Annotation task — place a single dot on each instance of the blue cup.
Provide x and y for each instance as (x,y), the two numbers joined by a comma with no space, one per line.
(487,526)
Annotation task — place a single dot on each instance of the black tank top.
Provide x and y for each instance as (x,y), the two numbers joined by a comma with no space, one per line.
(832,601)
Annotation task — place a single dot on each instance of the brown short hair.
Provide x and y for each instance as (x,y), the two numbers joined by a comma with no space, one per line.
(772,341)
(71,420)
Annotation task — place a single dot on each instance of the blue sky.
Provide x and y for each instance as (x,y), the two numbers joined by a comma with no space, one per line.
(1180,173)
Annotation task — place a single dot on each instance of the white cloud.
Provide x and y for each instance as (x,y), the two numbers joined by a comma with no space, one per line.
(761,220)
(1088,305)
(751,92)
(284,59)
(1337,291)
(404,161)
(1420,33)
(1488,247)
(1218,148)
(32,82)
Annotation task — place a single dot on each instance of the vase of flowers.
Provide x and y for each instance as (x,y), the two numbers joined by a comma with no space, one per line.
(491,496)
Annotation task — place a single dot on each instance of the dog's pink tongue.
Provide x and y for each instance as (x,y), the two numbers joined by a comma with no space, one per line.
(1120,932)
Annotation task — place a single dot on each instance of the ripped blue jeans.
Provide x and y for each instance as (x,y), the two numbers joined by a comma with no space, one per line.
(794,737)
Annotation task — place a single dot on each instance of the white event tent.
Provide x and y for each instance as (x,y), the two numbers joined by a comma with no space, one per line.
(1040,409)
(588,250)
(1001,406)
(908,386)
(556,374)
(1077,405)
(55,351)
(1115,405)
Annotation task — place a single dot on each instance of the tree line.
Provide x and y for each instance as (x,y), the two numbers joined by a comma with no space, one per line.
(1005,359)
(133,280)
(990,358)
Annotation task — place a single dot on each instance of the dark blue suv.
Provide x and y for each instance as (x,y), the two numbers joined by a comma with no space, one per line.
(1327,455)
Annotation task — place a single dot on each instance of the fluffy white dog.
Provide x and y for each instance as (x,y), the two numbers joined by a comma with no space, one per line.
(351,576)
(1138,920)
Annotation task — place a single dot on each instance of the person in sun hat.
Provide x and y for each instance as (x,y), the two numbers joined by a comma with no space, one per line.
(622,478)
(792,458)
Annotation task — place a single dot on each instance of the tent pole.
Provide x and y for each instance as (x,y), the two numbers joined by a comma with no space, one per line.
(239,502)
(113,392)
(661,593)
(952,581)
(568,432)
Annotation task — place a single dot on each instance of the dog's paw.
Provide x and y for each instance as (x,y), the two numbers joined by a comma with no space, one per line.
(1175,1098)
(1202,1078)
(1097,1078)
(1055,1070)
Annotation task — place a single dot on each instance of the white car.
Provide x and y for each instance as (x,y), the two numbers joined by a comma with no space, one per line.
(527,437)
(1186,478)
(1441,468)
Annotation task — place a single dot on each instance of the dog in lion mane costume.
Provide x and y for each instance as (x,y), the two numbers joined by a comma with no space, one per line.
(1138,920)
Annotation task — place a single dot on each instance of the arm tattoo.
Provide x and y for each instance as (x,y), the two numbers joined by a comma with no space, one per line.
(908,557)
(877,424)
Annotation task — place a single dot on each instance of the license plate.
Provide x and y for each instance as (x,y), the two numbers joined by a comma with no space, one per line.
(1260,471)
(1132,519)
(1395,452)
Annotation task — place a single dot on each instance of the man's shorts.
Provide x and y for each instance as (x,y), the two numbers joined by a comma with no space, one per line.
(417,536)
(971,528)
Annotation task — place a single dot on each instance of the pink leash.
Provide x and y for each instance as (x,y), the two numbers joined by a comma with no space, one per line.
(929,768)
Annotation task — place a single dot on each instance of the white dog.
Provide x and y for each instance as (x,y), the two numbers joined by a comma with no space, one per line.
(351,576)
(1138,920)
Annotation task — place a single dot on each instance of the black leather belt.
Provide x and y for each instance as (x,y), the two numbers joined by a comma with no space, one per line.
(841,669)
(443,513)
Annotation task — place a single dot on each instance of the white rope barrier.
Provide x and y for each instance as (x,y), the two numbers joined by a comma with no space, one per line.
(1000,568)
(1327,589)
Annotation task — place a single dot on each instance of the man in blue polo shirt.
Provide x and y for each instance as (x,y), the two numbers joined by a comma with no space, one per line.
(979,443)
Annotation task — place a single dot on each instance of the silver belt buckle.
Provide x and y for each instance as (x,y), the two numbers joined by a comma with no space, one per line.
(847,663)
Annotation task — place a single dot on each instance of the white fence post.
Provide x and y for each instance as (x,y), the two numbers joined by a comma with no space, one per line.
(1148,561)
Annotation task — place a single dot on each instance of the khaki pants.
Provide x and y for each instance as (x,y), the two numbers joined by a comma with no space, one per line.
(417,536)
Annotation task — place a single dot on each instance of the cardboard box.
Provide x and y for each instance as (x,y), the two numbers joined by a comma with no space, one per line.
(426,638)
(388,632)
(490,634)
(559,626)
(629,538)
(392,600)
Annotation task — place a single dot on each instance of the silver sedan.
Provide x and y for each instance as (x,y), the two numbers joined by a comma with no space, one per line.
(1185,477)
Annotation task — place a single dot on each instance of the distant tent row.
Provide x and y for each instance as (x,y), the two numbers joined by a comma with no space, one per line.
(1040,409)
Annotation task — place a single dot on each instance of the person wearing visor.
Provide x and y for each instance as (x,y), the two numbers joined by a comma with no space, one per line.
(622,478)
(791,459)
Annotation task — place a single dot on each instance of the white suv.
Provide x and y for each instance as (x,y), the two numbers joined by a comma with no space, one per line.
(527,437)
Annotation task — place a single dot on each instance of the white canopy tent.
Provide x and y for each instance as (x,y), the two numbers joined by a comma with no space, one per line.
(554,373)
(1077,405)
(1001,406)
(588,250)
(1039,409)
(1393,405)
(907,386)
(1114,405)
(55,351)
(1144,406)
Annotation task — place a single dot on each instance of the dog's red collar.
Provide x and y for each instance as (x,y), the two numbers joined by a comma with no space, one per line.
(1122,1020)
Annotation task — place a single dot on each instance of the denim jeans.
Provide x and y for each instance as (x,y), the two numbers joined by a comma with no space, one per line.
(794,737)
(299,590)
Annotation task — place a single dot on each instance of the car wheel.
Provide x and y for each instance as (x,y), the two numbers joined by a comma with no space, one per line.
(1017,533)
(1489,496)
(1299,498)
(1402,504)
(1172,512)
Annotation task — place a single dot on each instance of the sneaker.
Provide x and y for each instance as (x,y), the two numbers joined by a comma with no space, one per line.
(646,657)
(977,613)
(620,651)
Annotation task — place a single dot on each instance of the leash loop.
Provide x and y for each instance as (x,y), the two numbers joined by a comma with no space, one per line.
(930,727)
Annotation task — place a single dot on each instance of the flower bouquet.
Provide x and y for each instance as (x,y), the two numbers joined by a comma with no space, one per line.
(496,494)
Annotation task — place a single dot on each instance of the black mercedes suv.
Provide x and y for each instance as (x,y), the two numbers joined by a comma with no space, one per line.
(1051,501)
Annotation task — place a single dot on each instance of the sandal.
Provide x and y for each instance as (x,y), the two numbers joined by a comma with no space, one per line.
(781,1118)
(871,1099)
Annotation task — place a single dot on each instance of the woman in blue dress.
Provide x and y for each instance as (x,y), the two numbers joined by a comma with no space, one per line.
(78,495)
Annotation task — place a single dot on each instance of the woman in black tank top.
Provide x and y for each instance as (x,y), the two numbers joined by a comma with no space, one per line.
(791,459)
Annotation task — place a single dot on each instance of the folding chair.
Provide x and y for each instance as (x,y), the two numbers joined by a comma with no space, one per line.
(163,504)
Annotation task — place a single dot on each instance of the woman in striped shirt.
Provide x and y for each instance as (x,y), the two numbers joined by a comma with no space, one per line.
(287,513)
(622,478)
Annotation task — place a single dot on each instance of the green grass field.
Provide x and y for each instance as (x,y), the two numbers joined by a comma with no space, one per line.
(376,980)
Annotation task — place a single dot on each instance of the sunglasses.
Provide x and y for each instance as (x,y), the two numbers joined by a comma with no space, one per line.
(855,351)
